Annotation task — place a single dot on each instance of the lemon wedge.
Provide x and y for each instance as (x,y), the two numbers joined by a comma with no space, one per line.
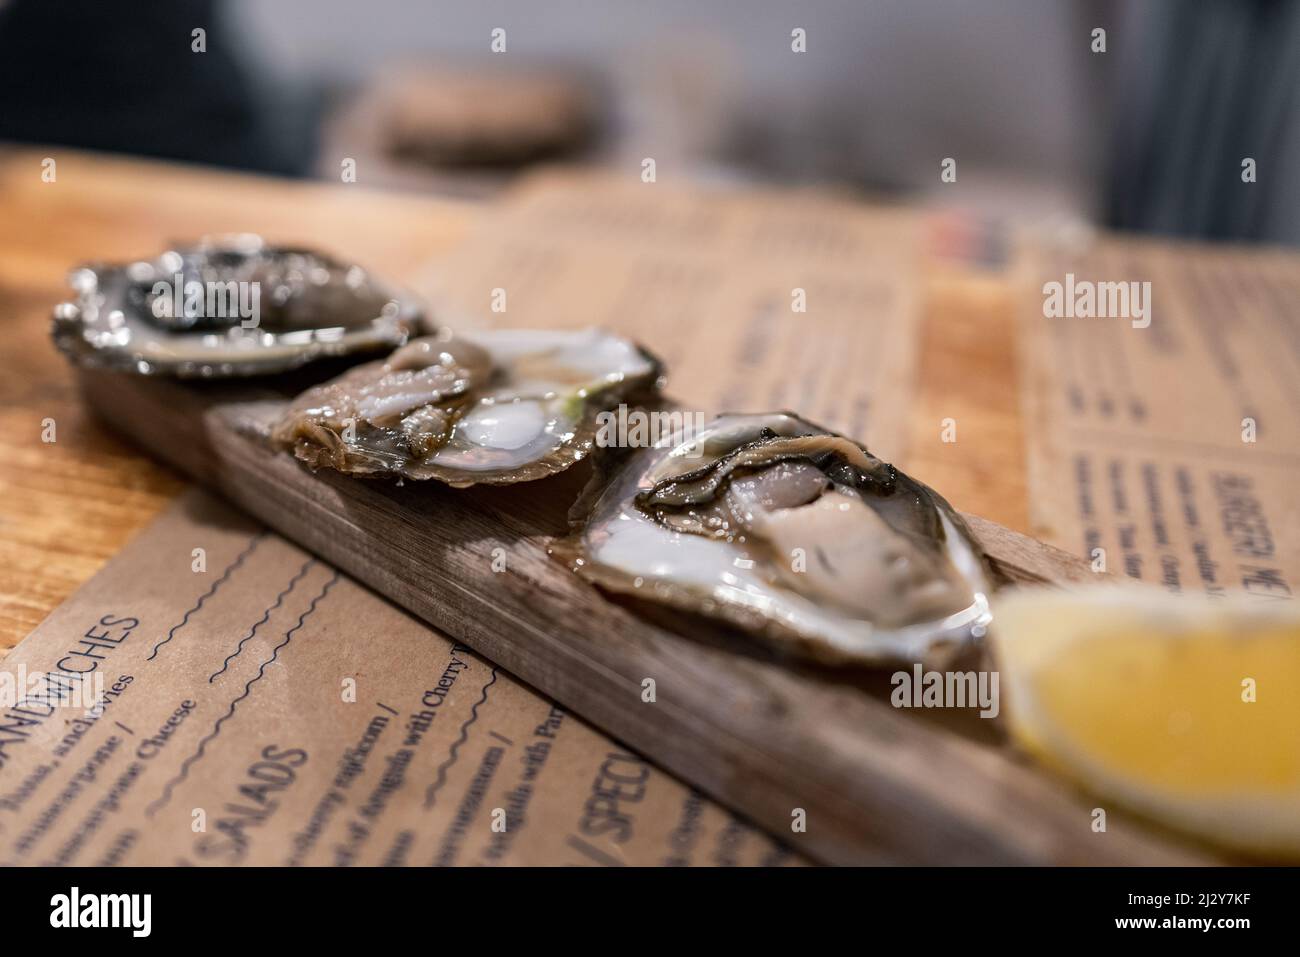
(1185,709)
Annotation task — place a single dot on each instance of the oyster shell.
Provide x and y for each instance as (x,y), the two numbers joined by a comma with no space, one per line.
(791,532)
(494,407)
(231,306)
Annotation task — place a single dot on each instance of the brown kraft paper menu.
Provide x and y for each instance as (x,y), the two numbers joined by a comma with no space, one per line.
(1170,453)
(215,696)
(755,300)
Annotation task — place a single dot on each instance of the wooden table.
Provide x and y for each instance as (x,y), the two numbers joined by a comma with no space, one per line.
(66,507)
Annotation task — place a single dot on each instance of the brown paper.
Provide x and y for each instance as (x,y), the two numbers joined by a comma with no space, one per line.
(217,696)
(266,710)
(756,301)
(1170,453)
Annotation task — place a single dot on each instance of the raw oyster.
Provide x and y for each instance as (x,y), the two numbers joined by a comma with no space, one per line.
(788,531)
(494,407)
(232,306)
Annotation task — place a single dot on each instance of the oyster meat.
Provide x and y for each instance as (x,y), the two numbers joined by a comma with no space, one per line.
(494,407)
(231,306)
(790,532)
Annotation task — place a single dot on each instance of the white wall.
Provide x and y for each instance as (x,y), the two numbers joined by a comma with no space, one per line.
(997,83)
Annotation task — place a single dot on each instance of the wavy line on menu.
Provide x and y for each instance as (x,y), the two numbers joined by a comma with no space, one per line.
(184,771)
(225,576)
(266,616)
(431,795)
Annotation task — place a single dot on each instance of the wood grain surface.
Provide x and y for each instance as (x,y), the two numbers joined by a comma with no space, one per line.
(762,735)
(67,507)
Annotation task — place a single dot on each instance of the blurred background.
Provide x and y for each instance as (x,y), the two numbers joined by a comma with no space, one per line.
(460,98)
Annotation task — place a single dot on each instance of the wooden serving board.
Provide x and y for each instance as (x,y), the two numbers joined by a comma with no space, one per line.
(763,736)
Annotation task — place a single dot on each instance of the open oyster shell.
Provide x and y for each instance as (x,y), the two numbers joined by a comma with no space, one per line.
(494,407)
(231,306)
(790,532)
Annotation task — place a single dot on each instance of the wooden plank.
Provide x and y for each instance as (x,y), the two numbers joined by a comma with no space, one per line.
(1026,561)
(878,786)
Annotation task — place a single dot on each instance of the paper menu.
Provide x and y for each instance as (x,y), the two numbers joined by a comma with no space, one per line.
(1170,453)
(247,704)
(756,301)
